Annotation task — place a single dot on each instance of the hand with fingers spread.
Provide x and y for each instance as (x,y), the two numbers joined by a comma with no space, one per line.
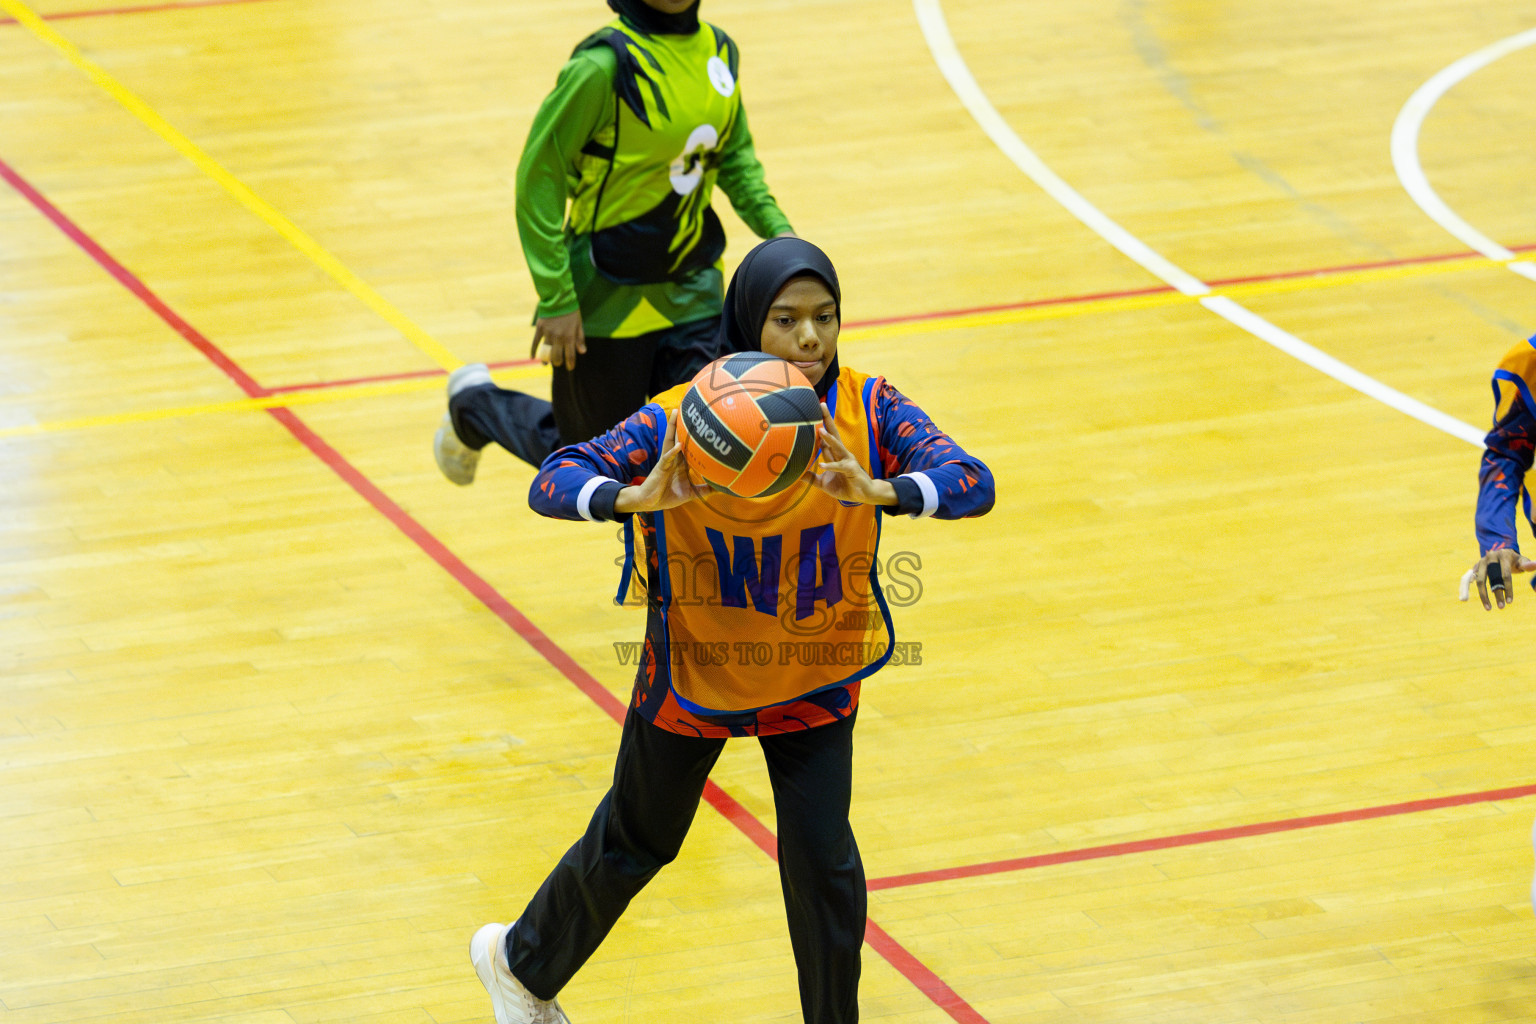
(668,485)
(558,339)
(837,472)
(1495,571)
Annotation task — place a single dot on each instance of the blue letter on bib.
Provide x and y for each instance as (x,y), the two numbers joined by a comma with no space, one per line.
(741,576)
(818,548)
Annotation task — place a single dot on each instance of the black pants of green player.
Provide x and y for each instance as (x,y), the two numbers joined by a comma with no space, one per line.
(613,379)
(639,827)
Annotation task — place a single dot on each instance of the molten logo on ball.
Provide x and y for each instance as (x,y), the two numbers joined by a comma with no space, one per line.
(701,430)
(749,424)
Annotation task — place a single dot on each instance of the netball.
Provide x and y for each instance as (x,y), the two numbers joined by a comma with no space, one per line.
(748,424)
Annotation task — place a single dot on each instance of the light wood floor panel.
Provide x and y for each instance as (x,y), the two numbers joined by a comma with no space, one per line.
(1196,935)
(1286,150)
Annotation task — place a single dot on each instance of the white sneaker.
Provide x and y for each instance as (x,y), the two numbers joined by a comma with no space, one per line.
(513,1003)
(456,459)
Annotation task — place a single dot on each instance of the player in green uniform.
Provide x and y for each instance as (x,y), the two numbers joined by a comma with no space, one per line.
(644,119)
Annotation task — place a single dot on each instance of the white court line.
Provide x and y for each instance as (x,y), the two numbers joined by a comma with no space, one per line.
(1405,149)
(930,17)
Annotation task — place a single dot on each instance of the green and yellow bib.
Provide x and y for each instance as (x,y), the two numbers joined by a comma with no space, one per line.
(645,183)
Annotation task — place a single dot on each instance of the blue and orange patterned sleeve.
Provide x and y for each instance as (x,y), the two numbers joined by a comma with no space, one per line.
(581,481)
(1507,456)
(1507,451)
(933,475)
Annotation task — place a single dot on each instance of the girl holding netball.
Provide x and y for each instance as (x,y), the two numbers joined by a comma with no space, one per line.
(792,573)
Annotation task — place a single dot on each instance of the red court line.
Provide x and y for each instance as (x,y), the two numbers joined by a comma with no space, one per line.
(1350,268)
(915,971)
(1005,307)
(108,12)
(1197,838)
(130,281)
(893,952)
(383,378)
(439,552)
(1131,293)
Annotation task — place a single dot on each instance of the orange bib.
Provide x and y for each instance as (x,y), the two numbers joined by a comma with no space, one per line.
(766,601)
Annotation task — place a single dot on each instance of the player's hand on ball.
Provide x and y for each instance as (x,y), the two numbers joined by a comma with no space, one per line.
(668,485)
(837,472)
(1495,572)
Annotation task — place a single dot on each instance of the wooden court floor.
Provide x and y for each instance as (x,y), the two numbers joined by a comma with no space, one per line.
(1200,733)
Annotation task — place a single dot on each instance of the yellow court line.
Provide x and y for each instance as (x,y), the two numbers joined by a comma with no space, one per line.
(1024,314)
(1169,298)
(945,322)
(319,396)
(250,200)
(1367,275)
(447,360)
(237,405)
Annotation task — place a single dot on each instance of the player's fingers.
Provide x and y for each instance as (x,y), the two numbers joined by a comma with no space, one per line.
(1498,583)
(1480,580)
(669,437)
(1466,583)
(832,446)
(564,353)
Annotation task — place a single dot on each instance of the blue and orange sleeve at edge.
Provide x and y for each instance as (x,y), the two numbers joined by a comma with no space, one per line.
(910,442)
(624,455)
(1507,452)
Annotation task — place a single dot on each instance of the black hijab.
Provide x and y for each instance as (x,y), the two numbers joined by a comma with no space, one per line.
(766,270)
(647,19)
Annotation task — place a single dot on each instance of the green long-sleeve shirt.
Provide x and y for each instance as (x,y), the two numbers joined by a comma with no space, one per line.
(567,161)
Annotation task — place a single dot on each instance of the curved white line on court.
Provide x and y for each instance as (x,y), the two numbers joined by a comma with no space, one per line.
(930,17)
(1405,149)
